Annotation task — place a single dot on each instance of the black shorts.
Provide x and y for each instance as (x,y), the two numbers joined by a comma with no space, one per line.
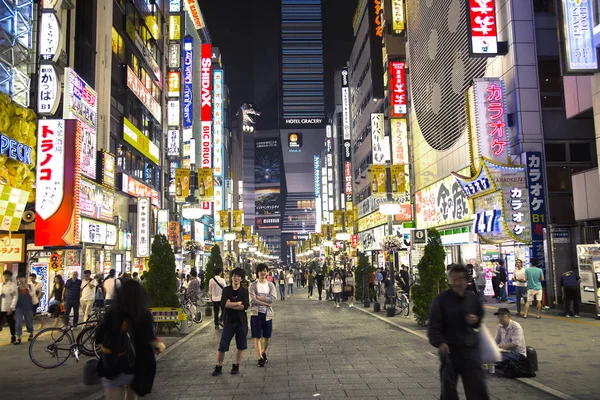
(229,331)
(261,328)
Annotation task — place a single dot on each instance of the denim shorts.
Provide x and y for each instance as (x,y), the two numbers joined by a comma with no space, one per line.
(261,328)
(229,331)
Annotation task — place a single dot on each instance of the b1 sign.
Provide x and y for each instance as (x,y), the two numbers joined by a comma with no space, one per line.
(483,36)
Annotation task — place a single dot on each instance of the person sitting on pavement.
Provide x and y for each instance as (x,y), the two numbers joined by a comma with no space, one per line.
(509,337)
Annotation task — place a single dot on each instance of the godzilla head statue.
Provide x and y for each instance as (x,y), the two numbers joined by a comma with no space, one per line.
(248,114)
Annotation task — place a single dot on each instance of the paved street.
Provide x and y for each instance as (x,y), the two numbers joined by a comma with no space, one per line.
(317,351)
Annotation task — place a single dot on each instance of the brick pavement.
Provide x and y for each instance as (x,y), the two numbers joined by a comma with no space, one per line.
(317,352)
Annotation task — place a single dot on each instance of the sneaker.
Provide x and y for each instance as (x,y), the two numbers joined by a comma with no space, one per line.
(568,315)
(261,363)
(13,339)
(30,339)
(264,357)
(576,315)
(218,370)
(217,327)
(235,369)
(17,342)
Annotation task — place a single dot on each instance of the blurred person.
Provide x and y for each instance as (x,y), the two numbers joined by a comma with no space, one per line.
(509,337)
(501,277)
(262,295)
(57,293)
(569,283)
(336,289)
(282,284)
(311,284)
(24,308)
(135,277)
(88,293)
(235,301)
(193,288)
(404,280)
(520,283)
(38,293)
(130,313)
(215,289)
(8,303)
(378,280)
(481,281)
(99,295)
(290,279)
(349,289)
(455,315)
(111,284)
(328,288)
(320,280)
(71,293)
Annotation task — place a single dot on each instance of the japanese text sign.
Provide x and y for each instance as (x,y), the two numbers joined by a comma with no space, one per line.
(483,37)
(398,20)
(537,194)
(49,44)
(380,146)
(398,88)
(143,227)
(578,36)
(48,90)
(12,206)
(188,90)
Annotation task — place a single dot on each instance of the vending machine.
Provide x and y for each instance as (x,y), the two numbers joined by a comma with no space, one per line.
(588,259)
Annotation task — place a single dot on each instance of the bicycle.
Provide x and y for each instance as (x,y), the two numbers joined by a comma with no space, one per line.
(193,309)
(401,303)
(52,347)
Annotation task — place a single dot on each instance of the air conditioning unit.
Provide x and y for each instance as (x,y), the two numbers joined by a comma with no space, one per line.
(28,216)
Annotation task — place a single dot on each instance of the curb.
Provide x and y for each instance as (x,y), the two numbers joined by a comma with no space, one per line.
(100,393)
(540,386)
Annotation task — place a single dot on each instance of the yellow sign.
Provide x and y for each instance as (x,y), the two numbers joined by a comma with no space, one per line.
(349,216)
(182,184)
(12,250)
(206,190)
(236,224)
(139,141)
(338,220)
(371,221)
(174,84)
(55,262)
(224,219)
(399,180)
(247,232)
(174,27)
(398,16)
(378,178)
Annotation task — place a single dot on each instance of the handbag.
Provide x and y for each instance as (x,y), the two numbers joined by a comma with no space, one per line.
(488,349)
(348,288)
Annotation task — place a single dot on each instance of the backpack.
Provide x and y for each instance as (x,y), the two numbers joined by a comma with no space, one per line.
(118,348)
(518,369)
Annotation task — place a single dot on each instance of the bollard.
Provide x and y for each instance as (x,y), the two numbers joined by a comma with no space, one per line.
(208,311)
(390,311)
(376,307)
(184,329)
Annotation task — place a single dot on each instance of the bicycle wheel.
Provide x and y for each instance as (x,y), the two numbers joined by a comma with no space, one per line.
(198,315)
(86,340)
(187,310)
(50,348)
(406,310)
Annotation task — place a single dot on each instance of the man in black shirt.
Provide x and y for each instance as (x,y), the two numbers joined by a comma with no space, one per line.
(235,302)
(454,316)
(319,279)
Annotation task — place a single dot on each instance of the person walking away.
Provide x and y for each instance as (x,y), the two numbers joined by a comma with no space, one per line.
(136,277)
(569,283)
(193,291)
(290,279)
(99,295)
(520,283)
(71,294)
(128,364)
(88,294)
(378,280)
(336,288)
(494,272)
(305,278)
(502,286)
(509,337)
(455,315)
(405,280)
(111,284)
(262,295)
(37,288)
(311,284)
(281,283)
(215,288)
(24,308)
(298,278)
(481,281)
(349,289)
(535,277)
(371,287)
(235,301)
(8,302)
(320,280)
(57,292)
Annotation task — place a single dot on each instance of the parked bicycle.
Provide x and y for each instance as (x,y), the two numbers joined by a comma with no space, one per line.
(400,302)
(192,309)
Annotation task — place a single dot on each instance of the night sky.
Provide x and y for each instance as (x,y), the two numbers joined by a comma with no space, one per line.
(247,33)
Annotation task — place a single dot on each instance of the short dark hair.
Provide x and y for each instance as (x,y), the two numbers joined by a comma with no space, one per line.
(135,274)
(501,262)
(533,262)
(262,267)
(87,271)
(193,272)
(459,269)
(239,272)
(218,271)
(32,275)
(21,276)
(7,272)
(112,272)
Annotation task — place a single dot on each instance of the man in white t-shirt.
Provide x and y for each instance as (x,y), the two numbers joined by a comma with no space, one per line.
(88,293)
(215,288)
(37,288)
(111,284)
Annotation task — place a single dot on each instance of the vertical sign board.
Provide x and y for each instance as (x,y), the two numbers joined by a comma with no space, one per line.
(57,182)
(206,110)
(188,90)
(345,104)
(41,271)
(380,146)
(376,41)
(579,54)
(398,16)
(48,90)
(218,123)
(537,203)
(398,88)
(143,227)
(483,36)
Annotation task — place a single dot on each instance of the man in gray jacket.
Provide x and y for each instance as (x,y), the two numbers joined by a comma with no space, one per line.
(262,294)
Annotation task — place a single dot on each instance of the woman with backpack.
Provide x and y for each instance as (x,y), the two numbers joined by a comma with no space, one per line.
(128,364)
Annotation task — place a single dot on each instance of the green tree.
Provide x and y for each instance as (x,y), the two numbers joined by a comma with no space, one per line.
(432,277)
(214,261)
(363,272)
(160,281)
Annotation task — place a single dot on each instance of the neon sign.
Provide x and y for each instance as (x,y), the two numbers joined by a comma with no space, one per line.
(482,27)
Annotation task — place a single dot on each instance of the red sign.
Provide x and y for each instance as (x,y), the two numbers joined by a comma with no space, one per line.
(206,111)
(482,27)
(57,205)
(355,240)
(348,176)
(398,88)
(174,234)
(138,189)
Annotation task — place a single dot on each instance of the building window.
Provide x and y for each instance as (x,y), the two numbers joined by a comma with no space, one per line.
(556,152)
(543,6)
(118,47)
(580,152)
(551,84)
(559,181)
